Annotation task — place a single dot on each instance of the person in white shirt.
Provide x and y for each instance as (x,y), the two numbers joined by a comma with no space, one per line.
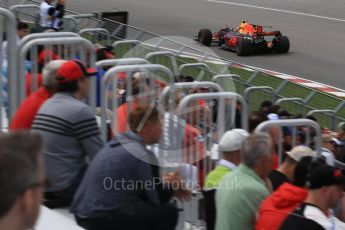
(328,148)
(22,31)
(51,16)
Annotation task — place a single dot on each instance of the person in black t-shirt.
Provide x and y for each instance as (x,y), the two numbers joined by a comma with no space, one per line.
(284,173)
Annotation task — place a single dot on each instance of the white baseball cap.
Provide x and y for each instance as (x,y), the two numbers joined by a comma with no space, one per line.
(232,140)
(298,152)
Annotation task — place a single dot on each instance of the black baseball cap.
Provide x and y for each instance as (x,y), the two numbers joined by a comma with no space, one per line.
(325,175)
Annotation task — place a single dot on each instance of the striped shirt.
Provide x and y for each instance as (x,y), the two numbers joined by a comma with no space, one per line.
(70,133)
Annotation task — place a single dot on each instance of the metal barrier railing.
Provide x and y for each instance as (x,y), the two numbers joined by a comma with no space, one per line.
(75,23)
(299,101)
(228,81)
(112,74)
(216,96)
(121,61)
(213,87)
(202,68)
(67,48)
(266,89)
(132,43)
(10,26)
(188,113)
(98,35)
(333,115)
(27,12)
(34,69)
(294,123)
(169,54)
(189,85)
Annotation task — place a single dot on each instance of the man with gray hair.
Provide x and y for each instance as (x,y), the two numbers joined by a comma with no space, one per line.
(241,192)
(26,113)
(22,180)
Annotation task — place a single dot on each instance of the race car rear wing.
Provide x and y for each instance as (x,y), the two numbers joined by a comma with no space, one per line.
(260,32)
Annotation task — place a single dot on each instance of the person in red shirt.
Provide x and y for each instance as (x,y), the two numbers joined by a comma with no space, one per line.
(26,113)
(275,208)
(44,57)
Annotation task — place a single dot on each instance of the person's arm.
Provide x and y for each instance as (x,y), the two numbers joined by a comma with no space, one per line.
(87,132)
(51,13)
(60,9)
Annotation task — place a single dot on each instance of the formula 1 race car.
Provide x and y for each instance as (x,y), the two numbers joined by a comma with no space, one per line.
(245,40)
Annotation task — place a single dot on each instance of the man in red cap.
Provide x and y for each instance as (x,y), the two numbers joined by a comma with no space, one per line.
(70,132)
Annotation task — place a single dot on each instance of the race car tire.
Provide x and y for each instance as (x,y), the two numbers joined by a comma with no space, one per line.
(243,47)
(205,37)
(282,45)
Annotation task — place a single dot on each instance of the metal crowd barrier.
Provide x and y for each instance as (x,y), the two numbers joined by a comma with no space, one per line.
(332,116)
(294,124)
(168,54)
(98,35)
(10,25)
(111,76)
(121,61)
(228,81)
(266,89)
(27,12)
(200,154)
(298,101)
(189,85)
(202,68)
(63,47)
(75,23)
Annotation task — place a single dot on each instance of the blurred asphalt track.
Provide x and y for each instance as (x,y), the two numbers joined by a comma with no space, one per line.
(316,28)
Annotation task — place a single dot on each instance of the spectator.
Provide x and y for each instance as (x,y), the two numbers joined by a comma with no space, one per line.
(326,185)
(328,148)
(266,107)
(275,208)
(27,111)
(44,56)
(284,114)
(140,93)
(70,132)
(50,16)
(341,138)
(103,53)
(255,119)
(275,133)
(229,145)
(104,200)
(22,31)
(241,192)
(284,173)
(22,180)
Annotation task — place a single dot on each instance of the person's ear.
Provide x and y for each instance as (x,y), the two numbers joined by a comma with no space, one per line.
(26,201)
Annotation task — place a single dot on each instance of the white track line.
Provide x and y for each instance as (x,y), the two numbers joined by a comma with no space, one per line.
(278,10)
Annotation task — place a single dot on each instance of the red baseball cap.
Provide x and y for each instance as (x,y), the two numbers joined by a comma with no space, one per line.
(73,70)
